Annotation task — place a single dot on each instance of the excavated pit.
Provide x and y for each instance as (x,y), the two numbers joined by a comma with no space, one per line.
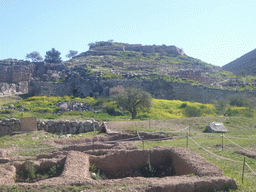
(173,161)
(174,168)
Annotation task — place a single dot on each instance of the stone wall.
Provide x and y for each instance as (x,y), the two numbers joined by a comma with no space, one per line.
(16,73)
(7,89)
(14,77)
(158,88)
(8,126)
(106,48)
(68,127)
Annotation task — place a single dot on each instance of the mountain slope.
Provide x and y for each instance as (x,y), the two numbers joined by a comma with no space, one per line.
(245,65)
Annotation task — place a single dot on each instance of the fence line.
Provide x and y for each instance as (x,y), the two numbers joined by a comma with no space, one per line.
(167,131)
(221,156)
(250,168)
(239,145)
(240,138)
(214,153)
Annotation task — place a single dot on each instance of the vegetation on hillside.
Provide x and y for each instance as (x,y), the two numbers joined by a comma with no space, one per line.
(107,109)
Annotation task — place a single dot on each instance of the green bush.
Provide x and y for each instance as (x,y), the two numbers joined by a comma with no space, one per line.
(221,105)
(239,101)
(239,111)
(183,105)
(191,111)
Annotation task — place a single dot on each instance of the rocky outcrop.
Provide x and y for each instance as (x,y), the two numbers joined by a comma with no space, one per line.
(159,88)
(74,106)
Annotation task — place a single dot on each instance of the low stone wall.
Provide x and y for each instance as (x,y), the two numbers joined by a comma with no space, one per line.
(8,126)
(68,127)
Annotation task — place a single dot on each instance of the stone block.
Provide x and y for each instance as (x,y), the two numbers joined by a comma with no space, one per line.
(28,123)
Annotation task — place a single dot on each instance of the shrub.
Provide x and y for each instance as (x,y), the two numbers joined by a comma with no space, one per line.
(191,111)
(239,101)
(96,174)
(31,171)
(221,105)
(239,111)
(183,105)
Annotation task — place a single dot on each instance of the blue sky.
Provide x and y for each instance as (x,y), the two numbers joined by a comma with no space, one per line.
(215,31)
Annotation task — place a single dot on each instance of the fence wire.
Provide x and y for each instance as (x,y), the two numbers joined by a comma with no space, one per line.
(239,145)
(221,156)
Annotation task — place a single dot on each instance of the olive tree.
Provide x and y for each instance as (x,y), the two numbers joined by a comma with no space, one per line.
(71,54)
(132,100)
(34,56)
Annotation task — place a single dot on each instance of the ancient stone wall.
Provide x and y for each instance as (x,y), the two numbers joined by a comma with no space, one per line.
(8,126)
(14,77)
(102,47)
(158,88)
(68,127)
(16,73)
(13,88)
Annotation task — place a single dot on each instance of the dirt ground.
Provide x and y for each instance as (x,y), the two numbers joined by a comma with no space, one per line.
(121,162)
(251,154)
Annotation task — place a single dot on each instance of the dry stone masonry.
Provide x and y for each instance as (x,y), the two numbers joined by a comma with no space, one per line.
(8,126)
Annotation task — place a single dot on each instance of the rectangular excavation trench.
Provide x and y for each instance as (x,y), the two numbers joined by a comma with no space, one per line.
(165,162)
(117,164)
(33,171)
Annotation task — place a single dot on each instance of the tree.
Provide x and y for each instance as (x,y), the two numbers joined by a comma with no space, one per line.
(34,56)
(71,54)
(132,100)
(52,56)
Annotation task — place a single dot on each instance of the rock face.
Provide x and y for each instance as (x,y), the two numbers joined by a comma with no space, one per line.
(158,88)
(15,76)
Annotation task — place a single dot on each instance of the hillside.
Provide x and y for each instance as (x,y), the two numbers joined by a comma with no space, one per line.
(166,72)
(130,60)
(122,60)
(244,65)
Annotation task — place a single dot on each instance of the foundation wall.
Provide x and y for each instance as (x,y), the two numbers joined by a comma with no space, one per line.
(124,160)
(182,161)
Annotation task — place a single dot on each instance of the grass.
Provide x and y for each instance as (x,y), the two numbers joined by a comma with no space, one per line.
(30,174)
(165,115)
(240,127)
